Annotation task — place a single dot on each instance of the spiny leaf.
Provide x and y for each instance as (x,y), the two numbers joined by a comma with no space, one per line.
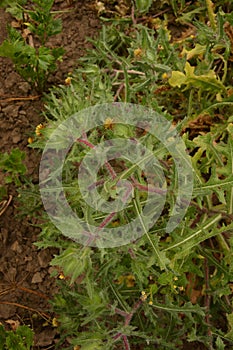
(207,82)
(196,51)
(187,308)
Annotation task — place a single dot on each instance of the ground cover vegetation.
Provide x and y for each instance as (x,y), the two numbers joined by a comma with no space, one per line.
(164,290)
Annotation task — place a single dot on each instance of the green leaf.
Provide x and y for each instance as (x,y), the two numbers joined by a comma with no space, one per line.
(2,337)
(219,344)
(26,334)
(45,58)
(207,82)
(90,341)
(196,51)
(13,162)
(15,8)
(230,326)
(187,308)
(7,49)
(73,262)
(143,5)
(177,79)
(21,339)
(197,236)
(213,185)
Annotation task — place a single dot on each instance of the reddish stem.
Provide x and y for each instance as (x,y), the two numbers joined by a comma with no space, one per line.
(207,299)
(110,170)
(131,253)
(120,312)
(147,188)
(128,318)
(106,220)
(96,184)
(126,342)
(86,142)
(130,315)
(108,166)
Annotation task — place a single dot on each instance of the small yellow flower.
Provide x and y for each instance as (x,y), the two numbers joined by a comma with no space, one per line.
(175,278)
(130,281)
(137,52)
(108,124)
(150,302)
(115,223)
(61,276)
(30,140)
(165,76)
(38,128)
(55,322)
(143,296)
(68,81)
(200,256)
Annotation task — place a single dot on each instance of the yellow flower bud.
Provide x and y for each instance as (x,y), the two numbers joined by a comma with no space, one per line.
(30,140)
(143,296)
(165,76)
(38,128)
(68,81)
(137,52)
(108,124)
(55,322)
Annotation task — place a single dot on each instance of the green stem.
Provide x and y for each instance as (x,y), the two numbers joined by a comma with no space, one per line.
(185,240)
(157,252)
(211,14)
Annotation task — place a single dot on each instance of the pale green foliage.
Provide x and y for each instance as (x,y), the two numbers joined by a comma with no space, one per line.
(206,82)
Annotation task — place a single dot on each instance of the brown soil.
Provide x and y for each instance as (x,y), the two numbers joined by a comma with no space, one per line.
(26,284)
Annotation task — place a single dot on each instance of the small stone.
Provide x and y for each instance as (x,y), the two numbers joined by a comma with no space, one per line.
(37,278)
(24,87)
(16,247)
(93,23)
(11,111)
(43,258)
(22,112)
(45,338)
(7,312)
(16,138)
(11,80)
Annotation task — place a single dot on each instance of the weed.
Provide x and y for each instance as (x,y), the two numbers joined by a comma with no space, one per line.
(20,339)
(12,166)
(33,63)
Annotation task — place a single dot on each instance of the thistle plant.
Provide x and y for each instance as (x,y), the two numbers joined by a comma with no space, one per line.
(166,287)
